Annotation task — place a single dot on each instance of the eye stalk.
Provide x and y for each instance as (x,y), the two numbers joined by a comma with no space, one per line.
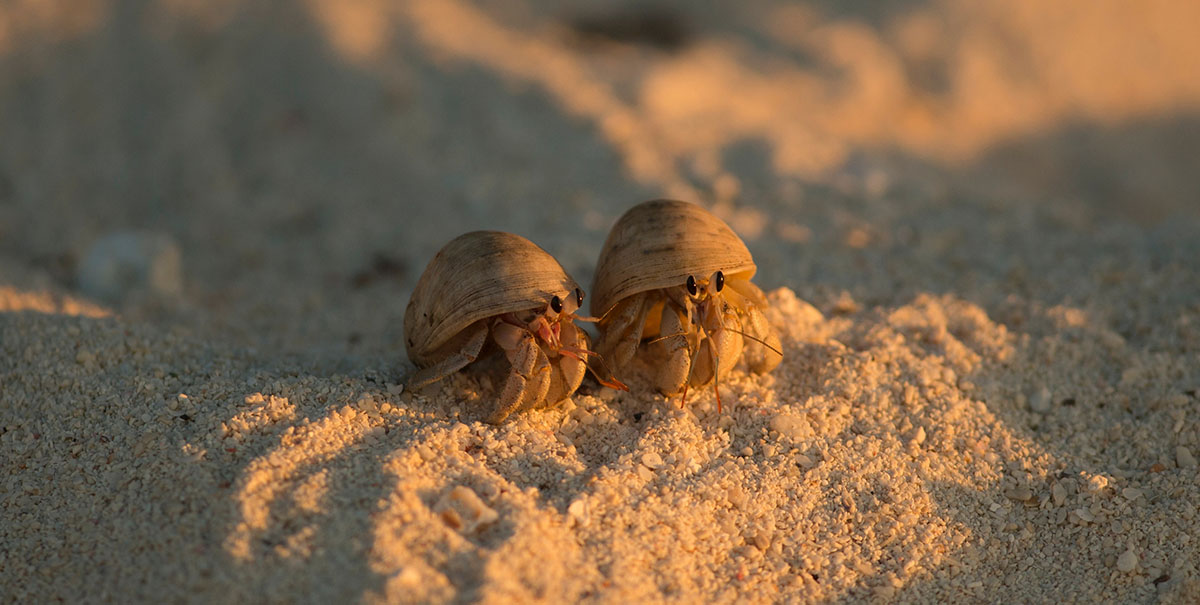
(691,285)
(719,280)
(556,304)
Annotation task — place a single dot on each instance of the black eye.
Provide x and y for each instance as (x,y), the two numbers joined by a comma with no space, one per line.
(556,304)
(579,297)
(691,285)
(719,280)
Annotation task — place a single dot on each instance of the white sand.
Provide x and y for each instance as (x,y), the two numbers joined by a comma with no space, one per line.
(978,226)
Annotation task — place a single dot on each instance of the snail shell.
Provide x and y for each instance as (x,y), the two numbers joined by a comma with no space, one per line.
(478,275)
(658,244)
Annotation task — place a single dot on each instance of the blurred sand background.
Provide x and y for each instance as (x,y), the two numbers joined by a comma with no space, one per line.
(978,223)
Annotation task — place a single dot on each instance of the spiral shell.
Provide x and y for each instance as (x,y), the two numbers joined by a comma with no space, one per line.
(658,244)
(478,275)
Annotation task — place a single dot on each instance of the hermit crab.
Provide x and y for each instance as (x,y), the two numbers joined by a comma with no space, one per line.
(491,286)
(673,282)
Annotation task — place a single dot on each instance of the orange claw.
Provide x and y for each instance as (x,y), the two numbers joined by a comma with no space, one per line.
(612,383)
(716,391)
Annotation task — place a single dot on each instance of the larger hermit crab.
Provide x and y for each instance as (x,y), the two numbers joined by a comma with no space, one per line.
(673,282)
(491,286)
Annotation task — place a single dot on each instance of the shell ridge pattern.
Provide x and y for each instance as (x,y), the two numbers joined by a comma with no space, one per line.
(667,240)
(502,282)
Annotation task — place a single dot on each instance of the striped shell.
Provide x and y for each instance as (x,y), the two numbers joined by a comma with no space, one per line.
(478,275)
(658,244)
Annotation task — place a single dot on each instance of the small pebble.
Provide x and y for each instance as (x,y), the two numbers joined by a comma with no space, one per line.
(126,262)
(737,497)
(462,509)
(1019,494)
(1097,483)
(919,436)
(582,416)
(794,427)
(578,512)
(577,508)
(1059,493)
(1040,400)
(644,473)
(1127,562)
(1184,457)
(425,452)
(408,576)
(84,357)
(762,540)
(652,460)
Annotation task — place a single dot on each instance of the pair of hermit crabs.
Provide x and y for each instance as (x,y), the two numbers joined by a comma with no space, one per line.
(673,284)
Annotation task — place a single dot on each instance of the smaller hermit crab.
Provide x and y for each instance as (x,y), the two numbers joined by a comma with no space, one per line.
(494,284)
(673,280)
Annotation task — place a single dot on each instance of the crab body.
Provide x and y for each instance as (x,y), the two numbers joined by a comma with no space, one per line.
(673,282)
(495,287)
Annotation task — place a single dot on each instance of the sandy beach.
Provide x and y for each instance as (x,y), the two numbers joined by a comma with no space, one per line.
(977,224)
